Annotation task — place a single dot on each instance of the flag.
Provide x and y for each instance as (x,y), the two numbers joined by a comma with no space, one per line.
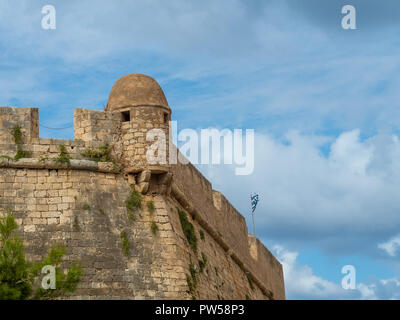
(254,200)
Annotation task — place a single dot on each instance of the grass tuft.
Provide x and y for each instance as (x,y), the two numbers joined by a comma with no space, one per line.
(154,227)
(202,262)
(126,246)
(17,134)
(151,207)
(102,154)
(133,204)
(63,156)
(250,281)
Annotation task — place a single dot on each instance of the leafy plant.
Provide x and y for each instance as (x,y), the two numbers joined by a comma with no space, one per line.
(17,135)
(188,230)
(21,154)
(63,156)
(201,232)
(133,204)
(19,277)
(65,282)
(102,154)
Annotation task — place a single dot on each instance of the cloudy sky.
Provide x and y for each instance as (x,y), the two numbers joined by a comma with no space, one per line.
(324,103)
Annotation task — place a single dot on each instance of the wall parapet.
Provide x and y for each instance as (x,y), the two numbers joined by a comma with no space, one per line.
(247,269)
(30,163)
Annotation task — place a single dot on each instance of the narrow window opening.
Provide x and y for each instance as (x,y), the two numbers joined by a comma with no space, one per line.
(165,118)
(126,116)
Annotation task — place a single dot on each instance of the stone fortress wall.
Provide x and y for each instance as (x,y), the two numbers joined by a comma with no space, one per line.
(82,204)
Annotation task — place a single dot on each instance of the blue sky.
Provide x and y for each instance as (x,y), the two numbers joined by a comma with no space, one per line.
(324,103)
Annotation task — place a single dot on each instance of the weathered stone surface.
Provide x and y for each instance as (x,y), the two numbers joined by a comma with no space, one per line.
(142,187)
(136,90)
(144,176)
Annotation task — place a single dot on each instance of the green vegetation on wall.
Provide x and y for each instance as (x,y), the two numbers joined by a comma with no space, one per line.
(154,227)
(102,154)
(21,154)
(17,134)
(202,262)
(188,230)
(202,237)
(133,204)
(126,246)
(151,207)
(86,207)
(19,278)
(191,278)
(63,157)
(75,224)
(250,281)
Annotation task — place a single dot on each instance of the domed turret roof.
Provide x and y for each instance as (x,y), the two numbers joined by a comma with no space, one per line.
(136,89)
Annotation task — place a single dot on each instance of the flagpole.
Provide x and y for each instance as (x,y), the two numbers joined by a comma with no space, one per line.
(254,228)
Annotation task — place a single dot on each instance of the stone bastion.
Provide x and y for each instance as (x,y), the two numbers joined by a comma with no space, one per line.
(180,240)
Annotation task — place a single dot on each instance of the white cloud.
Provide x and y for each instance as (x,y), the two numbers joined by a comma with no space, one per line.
(391,247)
(387,289)
(94,29)
(302,283)
(347,199)
(348,153)
(265,56)
(367,291)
